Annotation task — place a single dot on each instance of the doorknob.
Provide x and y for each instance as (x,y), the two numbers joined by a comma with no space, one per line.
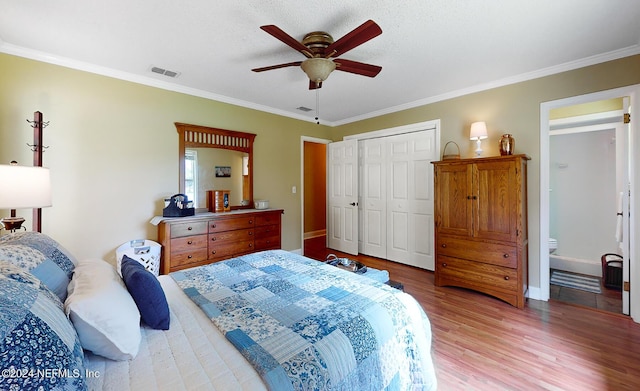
(353,204)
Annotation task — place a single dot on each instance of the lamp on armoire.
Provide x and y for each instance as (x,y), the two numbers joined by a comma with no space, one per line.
(478,132)
(21,188)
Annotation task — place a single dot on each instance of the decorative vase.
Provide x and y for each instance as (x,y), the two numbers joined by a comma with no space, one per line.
(507,143)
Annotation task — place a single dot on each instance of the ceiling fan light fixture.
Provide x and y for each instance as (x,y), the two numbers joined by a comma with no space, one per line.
(318,69)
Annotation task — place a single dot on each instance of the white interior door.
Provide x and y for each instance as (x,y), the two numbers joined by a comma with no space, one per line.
(374,197)
(410,198)
(343,196)
(622,156)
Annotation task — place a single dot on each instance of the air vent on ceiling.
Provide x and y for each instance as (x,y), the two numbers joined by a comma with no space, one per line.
(302,108)
(165,72)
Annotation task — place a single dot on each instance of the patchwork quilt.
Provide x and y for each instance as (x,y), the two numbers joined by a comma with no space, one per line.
(305,325)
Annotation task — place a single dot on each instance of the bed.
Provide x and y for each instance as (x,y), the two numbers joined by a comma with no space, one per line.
(269,320)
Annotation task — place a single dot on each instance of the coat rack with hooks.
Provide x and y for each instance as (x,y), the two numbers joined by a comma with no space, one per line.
(37,124)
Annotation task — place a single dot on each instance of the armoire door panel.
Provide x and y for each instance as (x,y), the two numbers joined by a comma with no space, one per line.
(496,202)
(454,200)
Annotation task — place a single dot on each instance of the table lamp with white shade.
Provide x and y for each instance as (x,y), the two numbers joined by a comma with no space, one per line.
(478,132)
(21,188)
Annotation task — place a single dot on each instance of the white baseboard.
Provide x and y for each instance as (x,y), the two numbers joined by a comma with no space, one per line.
(534,293)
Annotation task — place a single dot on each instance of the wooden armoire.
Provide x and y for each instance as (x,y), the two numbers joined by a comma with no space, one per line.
(481,225)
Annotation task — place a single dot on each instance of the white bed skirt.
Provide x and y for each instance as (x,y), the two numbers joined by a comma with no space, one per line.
(191,355)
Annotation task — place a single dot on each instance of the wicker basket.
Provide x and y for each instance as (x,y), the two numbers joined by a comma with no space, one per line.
(450,156)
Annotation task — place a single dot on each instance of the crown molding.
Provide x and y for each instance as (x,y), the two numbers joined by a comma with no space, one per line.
(148,81)
(569,66)
(144,80)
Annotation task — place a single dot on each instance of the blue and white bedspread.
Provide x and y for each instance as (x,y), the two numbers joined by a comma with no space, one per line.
(305,325)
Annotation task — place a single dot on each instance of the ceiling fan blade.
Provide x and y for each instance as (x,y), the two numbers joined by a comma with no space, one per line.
(356,37)
(356,67)
(313,85)
(277,32)
(289,64)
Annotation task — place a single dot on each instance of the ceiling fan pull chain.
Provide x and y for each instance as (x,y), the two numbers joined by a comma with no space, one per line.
(318,106)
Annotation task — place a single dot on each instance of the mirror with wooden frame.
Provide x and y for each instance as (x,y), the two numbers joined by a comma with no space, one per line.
(218,159)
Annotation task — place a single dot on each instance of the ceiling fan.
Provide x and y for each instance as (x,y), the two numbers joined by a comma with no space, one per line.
(321,52)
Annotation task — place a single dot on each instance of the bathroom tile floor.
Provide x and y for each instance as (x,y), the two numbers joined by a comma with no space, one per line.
(609,300)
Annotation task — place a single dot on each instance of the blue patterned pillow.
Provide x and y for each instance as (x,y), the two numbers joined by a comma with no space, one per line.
(39,348)
(147,293)
(41,256)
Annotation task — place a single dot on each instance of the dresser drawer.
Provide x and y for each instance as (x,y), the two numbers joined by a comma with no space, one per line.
(230,249)
(268,218)
(188,229)
(496,254)
(188,243)
(179,259)
(268,243)
(238,235)
(479,276)
(267,231)
(231,224)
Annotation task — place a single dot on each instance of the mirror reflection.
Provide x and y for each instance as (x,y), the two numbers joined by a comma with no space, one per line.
(216,169)
(215,159)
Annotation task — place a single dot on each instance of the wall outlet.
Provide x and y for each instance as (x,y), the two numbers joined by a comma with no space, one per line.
(294,190)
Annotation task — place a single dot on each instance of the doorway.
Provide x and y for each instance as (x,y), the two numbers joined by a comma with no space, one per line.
(630,306)
(313,190)
(587,165)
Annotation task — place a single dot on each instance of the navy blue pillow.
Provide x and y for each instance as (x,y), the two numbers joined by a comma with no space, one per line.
(146,291)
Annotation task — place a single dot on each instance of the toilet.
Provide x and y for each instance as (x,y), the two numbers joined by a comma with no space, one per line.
(553,245)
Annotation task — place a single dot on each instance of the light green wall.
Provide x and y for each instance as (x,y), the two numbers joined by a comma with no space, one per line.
(587,108)
(511,109)
(113,151)
(113,146)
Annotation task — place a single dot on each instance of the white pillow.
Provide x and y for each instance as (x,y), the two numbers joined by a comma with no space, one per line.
(102,311)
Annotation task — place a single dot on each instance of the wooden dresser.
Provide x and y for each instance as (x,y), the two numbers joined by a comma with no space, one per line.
(211,237)
(481,225)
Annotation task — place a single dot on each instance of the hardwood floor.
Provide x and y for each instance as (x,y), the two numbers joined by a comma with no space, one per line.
(482,343)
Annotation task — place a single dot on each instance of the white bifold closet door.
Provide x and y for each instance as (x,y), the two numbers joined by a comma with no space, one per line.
(397,197)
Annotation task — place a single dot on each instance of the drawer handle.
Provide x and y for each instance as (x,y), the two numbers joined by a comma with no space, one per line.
(444,264)
(189,228)
(189,256)
(506,278)
(213,239)
(250,244)
(213,251)
(250,233)
(190,242)
(506,255)
(444,245)
(213,225)
(250,221)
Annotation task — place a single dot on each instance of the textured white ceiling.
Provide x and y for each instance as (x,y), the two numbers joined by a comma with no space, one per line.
(429,49)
